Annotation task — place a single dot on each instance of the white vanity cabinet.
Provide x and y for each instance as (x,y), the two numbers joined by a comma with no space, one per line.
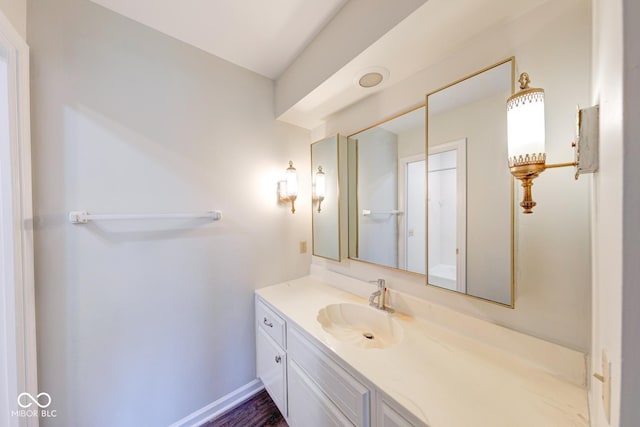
(430,375)
(311,386)
(271,357)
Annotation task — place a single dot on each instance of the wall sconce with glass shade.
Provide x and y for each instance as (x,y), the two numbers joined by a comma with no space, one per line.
(319,187)
(288,188)
(526,139)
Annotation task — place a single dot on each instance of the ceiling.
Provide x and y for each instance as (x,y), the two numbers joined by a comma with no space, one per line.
(267,37)
(262,36)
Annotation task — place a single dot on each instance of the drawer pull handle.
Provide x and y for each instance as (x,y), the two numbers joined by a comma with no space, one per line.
(278,359)
(266,323)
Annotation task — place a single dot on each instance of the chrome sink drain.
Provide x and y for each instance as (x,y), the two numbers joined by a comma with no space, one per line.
(367,335)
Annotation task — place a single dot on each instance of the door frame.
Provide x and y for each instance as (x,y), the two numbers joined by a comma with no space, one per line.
(16,238)
(403,186)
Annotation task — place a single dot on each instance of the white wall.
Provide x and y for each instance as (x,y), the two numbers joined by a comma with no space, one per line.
(141,323)
(411,142)
(16,12)
(552,43)
(616,87)
(607,212)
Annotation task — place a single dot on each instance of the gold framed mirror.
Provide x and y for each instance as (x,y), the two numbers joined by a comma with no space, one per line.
(325,188)
(386,226)
(429,193)
(470,193)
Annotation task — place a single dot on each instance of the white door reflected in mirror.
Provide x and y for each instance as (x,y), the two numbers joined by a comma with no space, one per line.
(415,196)
(448,215)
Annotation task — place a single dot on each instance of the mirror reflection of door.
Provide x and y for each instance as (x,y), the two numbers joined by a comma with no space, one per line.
(413,234)
(447,215)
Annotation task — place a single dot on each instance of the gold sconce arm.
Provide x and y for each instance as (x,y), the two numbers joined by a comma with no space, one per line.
(561,165)
(526,174)
(292,199)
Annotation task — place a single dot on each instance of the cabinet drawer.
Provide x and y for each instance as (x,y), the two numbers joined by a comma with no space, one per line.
(271,323)
(345,391)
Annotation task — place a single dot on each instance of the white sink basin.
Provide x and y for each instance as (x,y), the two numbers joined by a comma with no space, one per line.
(360,325)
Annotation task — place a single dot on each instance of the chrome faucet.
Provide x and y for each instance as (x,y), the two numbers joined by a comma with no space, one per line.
(381,295)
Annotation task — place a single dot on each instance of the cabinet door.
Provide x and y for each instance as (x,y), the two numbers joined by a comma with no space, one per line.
(347,393)
(391,414)
(308,406)
(271,367)
(390,418)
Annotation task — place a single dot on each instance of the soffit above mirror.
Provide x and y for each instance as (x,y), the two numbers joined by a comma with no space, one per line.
(427,36)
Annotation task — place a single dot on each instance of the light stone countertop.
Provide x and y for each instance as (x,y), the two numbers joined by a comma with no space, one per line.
(445,378)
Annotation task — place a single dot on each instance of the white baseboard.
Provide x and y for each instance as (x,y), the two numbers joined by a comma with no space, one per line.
(220,406)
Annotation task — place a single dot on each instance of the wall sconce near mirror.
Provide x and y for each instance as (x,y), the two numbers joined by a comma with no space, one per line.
(288,188)
(328,218)
(526,139)
(319,187)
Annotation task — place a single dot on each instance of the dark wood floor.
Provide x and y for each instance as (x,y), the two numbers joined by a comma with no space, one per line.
(259,411)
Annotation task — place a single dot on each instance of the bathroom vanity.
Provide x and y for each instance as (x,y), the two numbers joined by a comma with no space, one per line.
(329,359)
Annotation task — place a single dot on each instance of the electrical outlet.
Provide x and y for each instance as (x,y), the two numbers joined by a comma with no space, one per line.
(303,246)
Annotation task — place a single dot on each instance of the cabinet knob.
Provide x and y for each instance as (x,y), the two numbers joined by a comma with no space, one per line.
(267,323)
(278,358)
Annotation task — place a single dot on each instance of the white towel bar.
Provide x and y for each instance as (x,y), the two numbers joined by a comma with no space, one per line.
(367,212)
(82,217)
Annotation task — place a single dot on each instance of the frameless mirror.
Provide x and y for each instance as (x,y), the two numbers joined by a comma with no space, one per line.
(325,161)
(443,207)
(470,190)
